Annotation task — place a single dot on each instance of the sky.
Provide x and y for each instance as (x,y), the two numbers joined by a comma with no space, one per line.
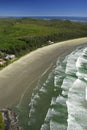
(43,8)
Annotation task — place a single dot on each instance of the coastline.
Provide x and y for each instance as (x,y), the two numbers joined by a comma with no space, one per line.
(17,78)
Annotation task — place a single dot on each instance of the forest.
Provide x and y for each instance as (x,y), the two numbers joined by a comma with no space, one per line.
(22,35)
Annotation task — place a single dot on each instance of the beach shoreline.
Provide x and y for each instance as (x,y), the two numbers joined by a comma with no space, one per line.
(17,78)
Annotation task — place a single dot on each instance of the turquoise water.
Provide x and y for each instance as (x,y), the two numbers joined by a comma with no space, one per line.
(61,102)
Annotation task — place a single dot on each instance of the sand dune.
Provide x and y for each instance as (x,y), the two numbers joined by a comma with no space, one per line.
(22,76)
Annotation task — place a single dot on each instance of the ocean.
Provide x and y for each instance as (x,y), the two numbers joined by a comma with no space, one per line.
(71,18)
(60,103)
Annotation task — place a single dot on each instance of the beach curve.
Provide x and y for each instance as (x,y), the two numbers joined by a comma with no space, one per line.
(18,76)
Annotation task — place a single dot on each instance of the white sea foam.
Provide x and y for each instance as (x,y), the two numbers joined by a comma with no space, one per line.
(77,91)
(86,93)
(56,126)
(76,111)
(81,75)
(53,101)
(81,65)
(71,62)
(66,85)
(84,53)
(57,79)
(70,78)
(49,115)
(45,127)
(43,90)
(49,123)
(81,61)
(61,100)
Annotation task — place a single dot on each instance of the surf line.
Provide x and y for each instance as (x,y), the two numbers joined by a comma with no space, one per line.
(38,78)
(86,93)
(22,96)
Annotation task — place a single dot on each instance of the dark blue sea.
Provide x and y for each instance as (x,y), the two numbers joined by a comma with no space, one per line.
(75,19)
(71,18)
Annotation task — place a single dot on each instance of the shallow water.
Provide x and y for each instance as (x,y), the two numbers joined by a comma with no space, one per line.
(61,102)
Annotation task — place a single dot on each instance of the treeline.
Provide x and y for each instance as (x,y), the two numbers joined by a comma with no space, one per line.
(26,34)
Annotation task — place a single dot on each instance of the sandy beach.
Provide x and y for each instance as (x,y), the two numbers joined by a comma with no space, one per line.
(19,77)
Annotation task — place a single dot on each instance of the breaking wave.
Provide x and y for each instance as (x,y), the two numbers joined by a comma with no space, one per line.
(61,102)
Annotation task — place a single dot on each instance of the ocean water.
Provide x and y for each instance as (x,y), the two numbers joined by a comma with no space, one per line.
(60,103)
(71,18)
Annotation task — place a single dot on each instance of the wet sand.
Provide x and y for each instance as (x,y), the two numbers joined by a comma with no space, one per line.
(22,76)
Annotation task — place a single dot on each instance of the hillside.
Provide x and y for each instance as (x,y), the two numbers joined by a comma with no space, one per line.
(18,36)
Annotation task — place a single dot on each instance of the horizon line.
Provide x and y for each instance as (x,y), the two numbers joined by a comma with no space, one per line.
(42,16)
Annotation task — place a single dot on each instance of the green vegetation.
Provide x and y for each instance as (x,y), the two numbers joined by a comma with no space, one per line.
(1,122)
(18,36)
